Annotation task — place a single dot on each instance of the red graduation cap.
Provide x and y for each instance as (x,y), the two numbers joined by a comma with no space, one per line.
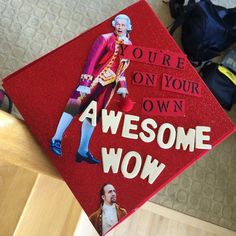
(165,123)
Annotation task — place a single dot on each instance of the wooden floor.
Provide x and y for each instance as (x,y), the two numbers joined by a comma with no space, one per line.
(154,220)
(33,204)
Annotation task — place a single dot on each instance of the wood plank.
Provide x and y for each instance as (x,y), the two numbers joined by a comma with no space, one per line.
(146,223)
(155,220)
(84,227)
(51,210)
(186,219)
(19,147)
(15,184)
(71,220)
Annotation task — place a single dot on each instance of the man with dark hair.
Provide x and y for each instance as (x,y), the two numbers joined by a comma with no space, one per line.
(109,212)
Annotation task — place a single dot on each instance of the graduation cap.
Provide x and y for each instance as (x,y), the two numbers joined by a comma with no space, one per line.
(166,119)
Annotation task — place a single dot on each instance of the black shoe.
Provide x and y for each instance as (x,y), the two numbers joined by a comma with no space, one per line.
(56,147)
(88,158)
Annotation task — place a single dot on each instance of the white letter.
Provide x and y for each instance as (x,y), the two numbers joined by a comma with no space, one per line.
(125,163)
(151,133)
(185,139)
(86,114)
(160,136)
(110,120)
(200,137)
(111,159)
(151,169)
(127,126)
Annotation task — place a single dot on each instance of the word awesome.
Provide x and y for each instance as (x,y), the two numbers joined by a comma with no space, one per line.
(148,130)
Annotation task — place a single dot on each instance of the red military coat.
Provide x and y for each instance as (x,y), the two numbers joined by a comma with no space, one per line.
(96,217)
(103,73)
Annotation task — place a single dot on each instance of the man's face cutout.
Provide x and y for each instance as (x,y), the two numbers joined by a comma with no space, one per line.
(109,196)
(121,27)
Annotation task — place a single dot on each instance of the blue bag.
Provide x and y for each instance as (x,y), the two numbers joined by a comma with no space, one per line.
(222,83)
(207,29)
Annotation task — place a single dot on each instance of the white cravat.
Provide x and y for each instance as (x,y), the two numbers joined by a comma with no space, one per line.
(109,217)
(124,38)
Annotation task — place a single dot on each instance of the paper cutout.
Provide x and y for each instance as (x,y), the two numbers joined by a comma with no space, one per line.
(110,121)
(109,213)
(91,113)
(154,56)
(129,125)
(144,79)
(180,85)
(201,137)
(111,159)
(163,107)
(185,139)
(152,169)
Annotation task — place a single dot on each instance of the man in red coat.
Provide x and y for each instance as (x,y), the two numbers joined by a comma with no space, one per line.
(103,75)
(109,212)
